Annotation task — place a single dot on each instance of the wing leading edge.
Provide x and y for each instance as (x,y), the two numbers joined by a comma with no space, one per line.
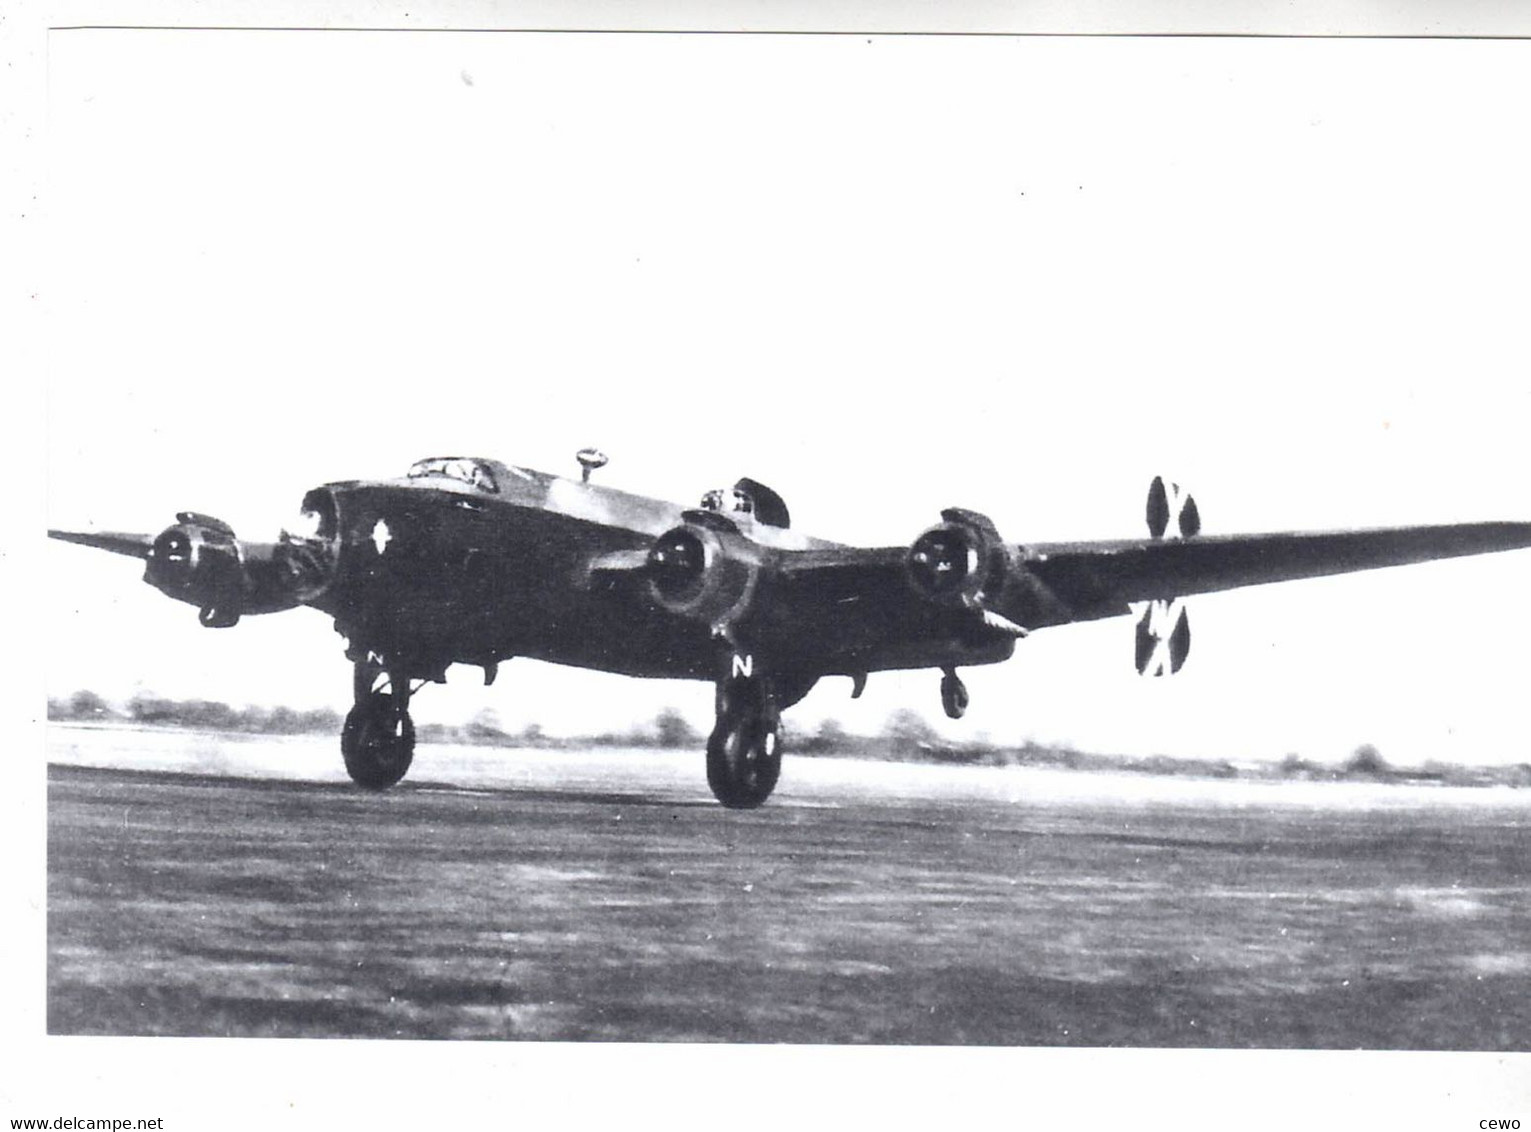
(133,545)
(1101,579)
(1057,583)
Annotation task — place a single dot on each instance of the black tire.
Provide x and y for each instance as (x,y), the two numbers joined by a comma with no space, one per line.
(743,755)
(377,742)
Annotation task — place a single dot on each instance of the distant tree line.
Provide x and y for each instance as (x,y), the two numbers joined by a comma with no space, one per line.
(668,729)
(905,737)
(212,715)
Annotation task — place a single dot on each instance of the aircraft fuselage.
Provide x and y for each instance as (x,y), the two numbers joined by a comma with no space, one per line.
(429,571)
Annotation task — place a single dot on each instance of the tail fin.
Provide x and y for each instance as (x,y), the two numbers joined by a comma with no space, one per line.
(1171,510)
(1163,638)
(1164,630)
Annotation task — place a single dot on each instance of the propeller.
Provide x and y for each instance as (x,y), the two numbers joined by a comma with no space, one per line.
(677,564)
(940,561)
(963,564)
(173,547)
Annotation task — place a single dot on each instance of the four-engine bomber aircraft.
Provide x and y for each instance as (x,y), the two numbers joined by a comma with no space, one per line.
(471,561)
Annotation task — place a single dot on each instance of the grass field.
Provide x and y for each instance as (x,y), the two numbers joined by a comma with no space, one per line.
(199,886)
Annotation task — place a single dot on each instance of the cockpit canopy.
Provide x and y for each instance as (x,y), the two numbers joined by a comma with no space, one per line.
(729,501)
(474,473)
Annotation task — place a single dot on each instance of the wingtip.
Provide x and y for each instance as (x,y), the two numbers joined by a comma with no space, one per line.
(132,545)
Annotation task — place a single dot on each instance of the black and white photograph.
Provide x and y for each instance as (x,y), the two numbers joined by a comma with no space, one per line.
(595,558)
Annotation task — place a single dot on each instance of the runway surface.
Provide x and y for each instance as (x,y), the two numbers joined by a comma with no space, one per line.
(208,885)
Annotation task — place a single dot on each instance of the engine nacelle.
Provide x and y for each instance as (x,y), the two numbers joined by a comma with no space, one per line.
(959,562)
(199,560)
(705,571)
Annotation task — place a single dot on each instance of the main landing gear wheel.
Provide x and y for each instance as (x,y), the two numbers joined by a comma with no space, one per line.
(378,741)
(954,694)
(744,750)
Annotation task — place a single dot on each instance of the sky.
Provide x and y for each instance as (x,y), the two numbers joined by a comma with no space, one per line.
(884,275)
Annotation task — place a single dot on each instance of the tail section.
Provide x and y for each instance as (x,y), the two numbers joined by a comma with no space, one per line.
(1172,511)
(1164,630)
(1163,638)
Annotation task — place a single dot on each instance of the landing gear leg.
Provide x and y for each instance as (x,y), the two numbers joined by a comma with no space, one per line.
(378,741)
(954,694)
(744,750)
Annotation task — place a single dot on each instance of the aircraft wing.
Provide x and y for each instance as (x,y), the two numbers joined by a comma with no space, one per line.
(1100,579)
(133,545)
(1057,583)
(960,592)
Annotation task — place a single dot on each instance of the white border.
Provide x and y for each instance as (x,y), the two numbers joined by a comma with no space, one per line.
(269,1084)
